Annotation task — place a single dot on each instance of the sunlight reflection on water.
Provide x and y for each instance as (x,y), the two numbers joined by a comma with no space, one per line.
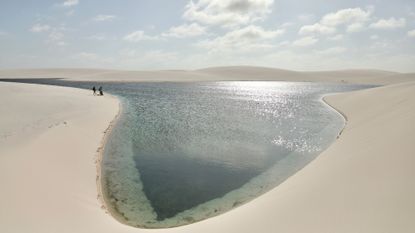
(184,152)
(196,150)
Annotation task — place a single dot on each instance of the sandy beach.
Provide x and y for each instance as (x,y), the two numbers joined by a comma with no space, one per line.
(50,138)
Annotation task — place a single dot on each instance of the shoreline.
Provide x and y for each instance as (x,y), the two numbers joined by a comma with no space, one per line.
(324,196)
(208,223)
(99,158)
(338,111)
(107,133)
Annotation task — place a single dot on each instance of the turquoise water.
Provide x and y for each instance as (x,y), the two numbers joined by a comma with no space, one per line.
(184,152)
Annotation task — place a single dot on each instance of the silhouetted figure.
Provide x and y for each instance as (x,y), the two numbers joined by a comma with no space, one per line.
(94,90)
(100,91)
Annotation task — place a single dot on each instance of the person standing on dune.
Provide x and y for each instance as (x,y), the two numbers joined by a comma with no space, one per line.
(94,90)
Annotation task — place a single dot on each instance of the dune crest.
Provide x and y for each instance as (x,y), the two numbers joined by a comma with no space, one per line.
(230,73)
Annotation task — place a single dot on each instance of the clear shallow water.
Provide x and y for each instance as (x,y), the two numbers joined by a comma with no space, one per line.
(183,152)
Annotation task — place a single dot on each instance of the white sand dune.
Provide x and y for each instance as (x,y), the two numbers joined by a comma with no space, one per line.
(47,163)
(340,76)
(239,73)
(362,183)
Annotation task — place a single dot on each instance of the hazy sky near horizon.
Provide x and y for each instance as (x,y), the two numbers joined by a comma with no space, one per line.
(191,34)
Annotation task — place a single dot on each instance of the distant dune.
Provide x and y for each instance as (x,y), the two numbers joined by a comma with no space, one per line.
(230,73)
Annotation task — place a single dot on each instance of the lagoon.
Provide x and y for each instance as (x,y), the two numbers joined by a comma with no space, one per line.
(183,152)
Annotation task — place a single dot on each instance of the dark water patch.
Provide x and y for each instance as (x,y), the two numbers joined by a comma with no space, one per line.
(173,183)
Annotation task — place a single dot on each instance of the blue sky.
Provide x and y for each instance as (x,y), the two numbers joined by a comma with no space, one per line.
(183,34)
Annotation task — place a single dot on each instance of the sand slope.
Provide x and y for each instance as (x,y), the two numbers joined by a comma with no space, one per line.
(362,183)
(215,74)
(48,177)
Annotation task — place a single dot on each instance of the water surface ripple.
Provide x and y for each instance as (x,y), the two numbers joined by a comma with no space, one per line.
(184,152)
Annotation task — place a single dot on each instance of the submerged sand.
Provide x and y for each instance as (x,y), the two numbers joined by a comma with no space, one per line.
(363,183)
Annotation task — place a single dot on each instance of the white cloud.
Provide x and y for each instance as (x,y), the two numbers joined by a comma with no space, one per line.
(411,33)
(305,41)
(186,30)
(390,23)
(139,36)
(316,28)
(243,39)
(100,18)
(227,13)
(353,18)
(40,28)
(355,27)
(70,3)
(55,36)
(347,16)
